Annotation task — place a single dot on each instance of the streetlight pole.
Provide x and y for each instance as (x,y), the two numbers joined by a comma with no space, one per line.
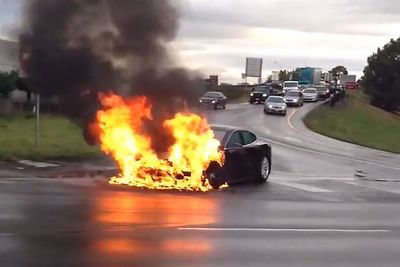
(37,115)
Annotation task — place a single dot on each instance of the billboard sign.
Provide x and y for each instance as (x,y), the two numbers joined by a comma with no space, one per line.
(214,79)
(254,67)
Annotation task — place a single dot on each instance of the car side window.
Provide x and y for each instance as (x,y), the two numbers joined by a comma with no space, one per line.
(248,137)
(234,140)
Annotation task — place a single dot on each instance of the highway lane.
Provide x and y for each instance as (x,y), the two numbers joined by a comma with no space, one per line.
(292,140)
(312,212)
(84,222)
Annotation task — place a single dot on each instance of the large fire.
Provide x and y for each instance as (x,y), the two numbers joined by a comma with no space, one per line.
(122,133)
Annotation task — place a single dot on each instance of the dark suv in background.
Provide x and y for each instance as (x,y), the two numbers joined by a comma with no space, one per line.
(260,94)
(213,99)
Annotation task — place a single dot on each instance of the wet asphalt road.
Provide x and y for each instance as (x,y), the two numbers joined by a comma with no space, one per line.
(313,212)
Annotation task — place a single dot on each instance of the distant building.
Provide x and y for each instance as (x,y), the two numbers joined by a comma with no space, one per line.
(275,76)
(327,76)
(9,55)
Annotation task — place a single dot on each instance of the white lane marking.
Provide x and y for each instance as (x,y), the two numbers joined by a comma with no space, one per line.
(287,177)
(319,230)
(376,186)
(331,155)
(37,164)
(293,139)
(308,188)
(289,119)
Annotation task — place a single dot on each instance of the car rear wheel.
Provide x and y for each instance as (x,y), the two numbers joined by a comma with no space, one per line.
(264,170)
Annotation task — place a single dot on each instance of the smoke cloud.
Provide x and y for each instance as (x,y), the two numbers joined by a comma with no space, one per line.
(82,47)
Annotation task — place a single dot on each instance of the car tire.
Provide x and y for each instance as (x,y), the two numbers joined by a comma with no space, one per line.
(214,175)
(215,106)
(251,102)
(223,107)
(284,114)
(264,170)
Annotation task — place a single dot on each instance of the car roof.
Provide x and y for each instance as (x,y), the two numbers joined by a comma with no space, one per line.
(275,96)
(227,128)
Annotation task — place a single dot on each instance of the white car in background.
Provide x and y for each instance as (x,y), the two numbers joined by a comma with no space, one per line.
(290,85)
(310,95)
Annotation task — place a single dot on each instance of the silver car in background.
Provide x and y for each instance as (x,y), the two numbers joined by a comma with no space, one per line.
(275,105)
(310,95)
(294,98)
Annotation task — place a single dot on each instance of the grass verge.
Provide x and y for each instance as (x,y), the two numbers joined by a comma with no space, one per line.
(235,95)
(354,120)
(59,139)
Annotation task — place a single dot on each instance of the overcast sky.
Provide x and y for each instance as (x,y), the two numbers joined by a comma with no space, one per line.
(216,36)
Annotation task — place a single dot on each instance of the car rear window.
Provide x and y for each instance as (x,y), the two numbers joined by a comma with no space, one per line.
(248,137)
(234,139)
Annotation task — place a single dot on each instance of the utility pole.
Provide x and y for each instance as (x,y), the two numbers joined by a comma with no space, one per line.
(37,115)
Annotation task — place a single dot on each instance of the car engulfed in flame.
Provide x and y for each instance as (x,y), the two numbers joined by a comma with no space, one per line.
(122,133)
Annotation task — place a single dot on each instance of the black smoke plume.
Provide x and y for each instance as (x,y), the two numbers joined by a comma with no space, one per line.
(82,47)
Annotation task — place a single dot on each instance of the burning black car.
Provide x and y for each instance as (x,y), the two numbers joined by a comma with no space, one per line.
(247,158)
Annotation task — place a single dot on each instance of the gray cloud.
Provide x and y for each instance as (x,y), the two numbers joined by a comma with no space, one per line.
(338,16)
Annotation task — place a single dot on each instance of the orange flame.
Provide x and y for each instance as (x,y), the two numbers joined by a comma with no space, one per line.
(122,136)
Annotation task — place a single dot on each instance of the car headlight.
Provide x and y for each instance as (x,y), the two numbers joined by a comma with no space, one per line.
(269,106)
(265,95)
(214,102)
(295,100)
(251,94)
(201,101)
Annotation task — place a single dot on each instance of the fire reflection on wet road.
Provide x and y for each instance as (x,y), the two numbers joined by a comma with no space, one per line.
(119,209)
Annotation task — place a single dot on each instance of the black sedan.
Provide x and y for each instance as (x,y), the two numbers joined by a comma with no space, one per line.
(247,158)
(213,99)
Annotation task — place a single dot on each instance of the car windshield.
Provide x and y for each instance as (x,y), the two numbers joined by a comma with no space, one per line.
(290,84)
(292,93)
(310,91)
(276,100)
(212,94)
(263,89)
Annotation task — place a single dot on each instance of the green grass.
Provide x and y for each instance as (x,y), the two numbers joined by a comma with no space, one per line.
(235,95)
(354,120)
(59,139)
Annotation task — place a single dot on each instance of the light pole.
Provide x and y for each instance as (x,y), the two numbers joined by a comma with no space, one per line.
(279,64)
